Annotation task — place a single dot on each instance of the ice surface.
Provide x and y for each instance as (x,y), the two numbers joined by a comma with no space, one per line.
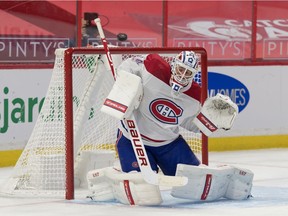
(270,194)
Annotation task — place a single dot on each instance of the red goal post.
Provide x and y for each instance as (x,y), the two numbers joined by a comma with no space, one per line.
(71,136)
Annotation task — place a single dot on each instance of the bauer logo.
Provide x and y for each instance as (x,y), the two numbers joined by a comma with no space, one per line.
(226,85)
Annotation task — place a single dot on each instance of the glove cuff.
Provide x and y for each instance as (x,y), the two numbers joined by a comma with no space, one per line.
(204,124)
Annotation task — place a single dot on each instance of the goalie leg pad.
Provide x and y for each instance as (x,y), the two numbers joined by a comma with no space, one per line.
(127,188)
(131,193)
(204,183)
(240,184)
(90,160)
(99,186)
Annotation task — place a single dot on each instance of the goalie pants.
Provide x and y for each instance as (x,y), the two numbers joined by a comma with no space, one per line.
(166,157)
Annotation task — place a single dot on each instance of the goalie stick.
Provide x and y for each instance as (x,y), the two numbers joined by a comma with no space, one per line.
(140,152)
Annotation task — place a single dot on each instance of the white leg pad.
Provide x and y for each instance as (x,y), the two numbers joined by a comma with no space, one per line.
(204,183)
(99,186)
(128,188)
(240,184)
(90,160)
(128,192)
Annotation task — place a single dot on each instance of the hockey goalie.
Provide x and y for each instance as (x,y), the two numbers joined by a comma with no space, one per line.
(163,97)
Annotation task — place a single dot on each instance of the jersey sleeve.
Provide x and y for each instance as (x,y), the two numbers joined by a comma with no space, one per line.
(157,67)
(189,125)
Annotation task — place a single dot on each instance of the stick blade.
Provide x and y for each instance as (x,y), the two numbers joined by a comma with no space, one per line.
(164,180)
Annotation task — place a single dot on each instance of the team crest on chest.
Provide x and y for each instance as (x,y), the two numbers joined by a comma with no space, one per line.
(165,110)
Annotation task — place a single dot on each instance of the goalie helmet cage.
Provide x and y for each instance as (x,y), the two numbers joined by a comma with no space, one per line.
(71,133)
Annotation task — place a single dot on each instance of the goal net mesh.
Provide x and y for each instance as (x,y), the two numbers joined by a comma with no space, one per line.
(41,168)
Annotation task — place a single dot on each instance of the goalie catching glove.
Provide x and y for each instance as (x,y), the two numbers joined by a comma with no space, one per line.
(217,112)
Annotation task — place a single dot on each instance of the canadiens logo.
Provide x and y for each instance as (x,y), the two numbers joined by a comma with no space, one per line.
(165,110)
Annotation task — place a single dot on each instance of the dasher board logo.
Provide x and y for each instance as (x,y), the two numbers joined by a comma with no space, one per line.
(131,42)
(231,39)
(30,49)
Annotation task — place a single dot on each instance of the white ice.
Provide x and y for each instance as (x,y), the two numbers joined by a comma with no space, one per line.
(270,194)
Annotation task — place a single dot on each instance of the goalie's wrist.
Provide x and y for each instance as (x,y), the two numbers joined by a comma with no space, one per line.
(204,124)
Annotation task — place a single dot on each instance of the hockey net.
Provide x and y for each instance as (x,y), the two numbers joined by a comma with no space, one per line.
(71,136)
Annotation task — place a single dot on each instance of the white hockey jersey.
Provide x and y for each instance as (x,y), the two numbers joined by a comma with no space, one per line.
(160,114)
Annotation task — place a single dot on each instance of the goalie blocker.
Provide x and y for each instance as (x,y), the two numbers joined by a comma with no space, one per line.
(124,97)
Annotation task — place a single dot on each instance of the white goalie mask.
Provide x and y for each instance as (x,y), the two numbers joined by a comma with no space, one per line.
(184,67)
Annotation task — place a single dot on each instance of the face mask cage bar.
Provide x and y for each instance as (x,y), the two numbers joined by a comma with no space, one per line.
(181,73)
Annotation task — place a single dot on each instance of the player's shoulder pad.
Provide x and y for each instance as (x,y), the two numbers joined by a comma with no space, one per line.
(158,67)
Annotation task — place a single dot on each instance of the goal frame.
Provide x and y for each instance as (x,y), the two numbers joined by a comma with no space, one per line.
(68,95)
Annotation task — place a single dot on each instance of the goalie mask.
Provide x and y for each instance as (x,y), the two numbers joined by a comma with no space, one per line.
(183,67)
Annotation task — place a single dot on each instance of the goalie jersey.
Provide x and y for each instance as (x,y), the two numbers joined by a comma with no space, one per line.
(160,113)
